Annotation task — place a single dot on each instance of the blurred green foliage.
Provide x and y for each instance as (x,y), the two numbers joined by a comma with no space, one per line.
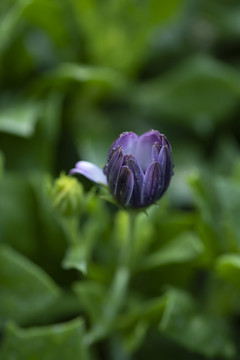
(95,283)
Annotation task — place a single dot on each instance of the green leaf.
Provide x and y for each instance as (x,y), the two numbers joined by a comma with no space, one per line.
(202,333)
(126,26)
(54,342)
(149,312)
(206,198)
(9,22)
(229,195)
(84,73)
(19,118)
(115,297)
(25,289)
(228,268)
(1,164)
(76,258)
(201,92)
(184,248)
(36,233)
(236,171)
(91,297)
(138,318)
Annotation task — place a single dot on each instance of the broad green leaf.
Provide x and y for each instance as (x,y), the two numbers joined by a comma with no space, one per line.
(53,342)
(25,289)
(201,92)
(160,12)
(126,26)
(228,268)
(50,18)
(184,248)
(19,118)
(198,332)
(69,72)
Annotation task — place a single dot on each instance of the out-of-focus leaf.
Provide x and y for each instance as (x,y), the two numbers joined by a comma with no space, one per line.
(201,92)
(76,258)
(115,297)
(61,341)
(184,248)
(24,203)
(79,253)
(236,171)
(147,311)
(1,165)
(126,26)
(174,224)
(16,207)
(206,198)
(19,118)
(53,18)
(91,296)
(229,195)
(161,11)
(218,202)
(34,123)
(68,72)
(25,289)
(9,22)
(202,333)
(135,322)
(224,18)
(228,268)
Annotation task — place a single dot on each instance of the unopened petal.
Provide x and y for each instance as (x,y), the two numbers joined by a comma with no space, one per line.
(165,160)
(127,141)
(90,171)
(166,142)
(138,175)
(143,151)
(152,184)
(125,186)
(155,151)
(112,160)
(114,171)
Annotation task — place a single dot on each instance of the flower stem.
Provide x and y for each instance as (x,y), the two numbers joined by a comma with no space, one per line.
(128,248)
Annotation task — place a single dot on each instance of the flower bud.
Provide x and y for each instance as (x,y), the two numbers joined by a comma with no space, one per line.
(67,195)
(138,168)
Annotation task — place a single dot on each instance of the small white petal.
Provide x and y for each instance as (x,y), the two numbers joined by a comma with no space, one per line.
(91,171)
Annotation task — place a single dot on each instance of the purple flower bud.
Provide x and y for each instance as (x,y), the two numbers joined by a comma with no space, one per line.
(138,169)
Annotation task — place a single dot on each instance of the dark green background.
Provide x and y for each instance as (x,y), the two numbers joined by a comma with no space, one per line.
(74,74)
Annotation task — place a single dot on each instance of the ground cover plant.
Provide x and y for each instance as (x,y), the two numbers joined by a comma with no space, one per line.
(80,276)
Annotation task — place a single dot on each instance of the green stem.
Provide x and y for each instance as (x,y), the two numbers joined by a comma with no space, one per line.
(118,289)
(128,246)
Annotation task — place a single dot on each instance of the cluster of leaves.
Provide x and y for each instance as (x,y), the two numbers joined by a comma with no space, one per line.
(80,278)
